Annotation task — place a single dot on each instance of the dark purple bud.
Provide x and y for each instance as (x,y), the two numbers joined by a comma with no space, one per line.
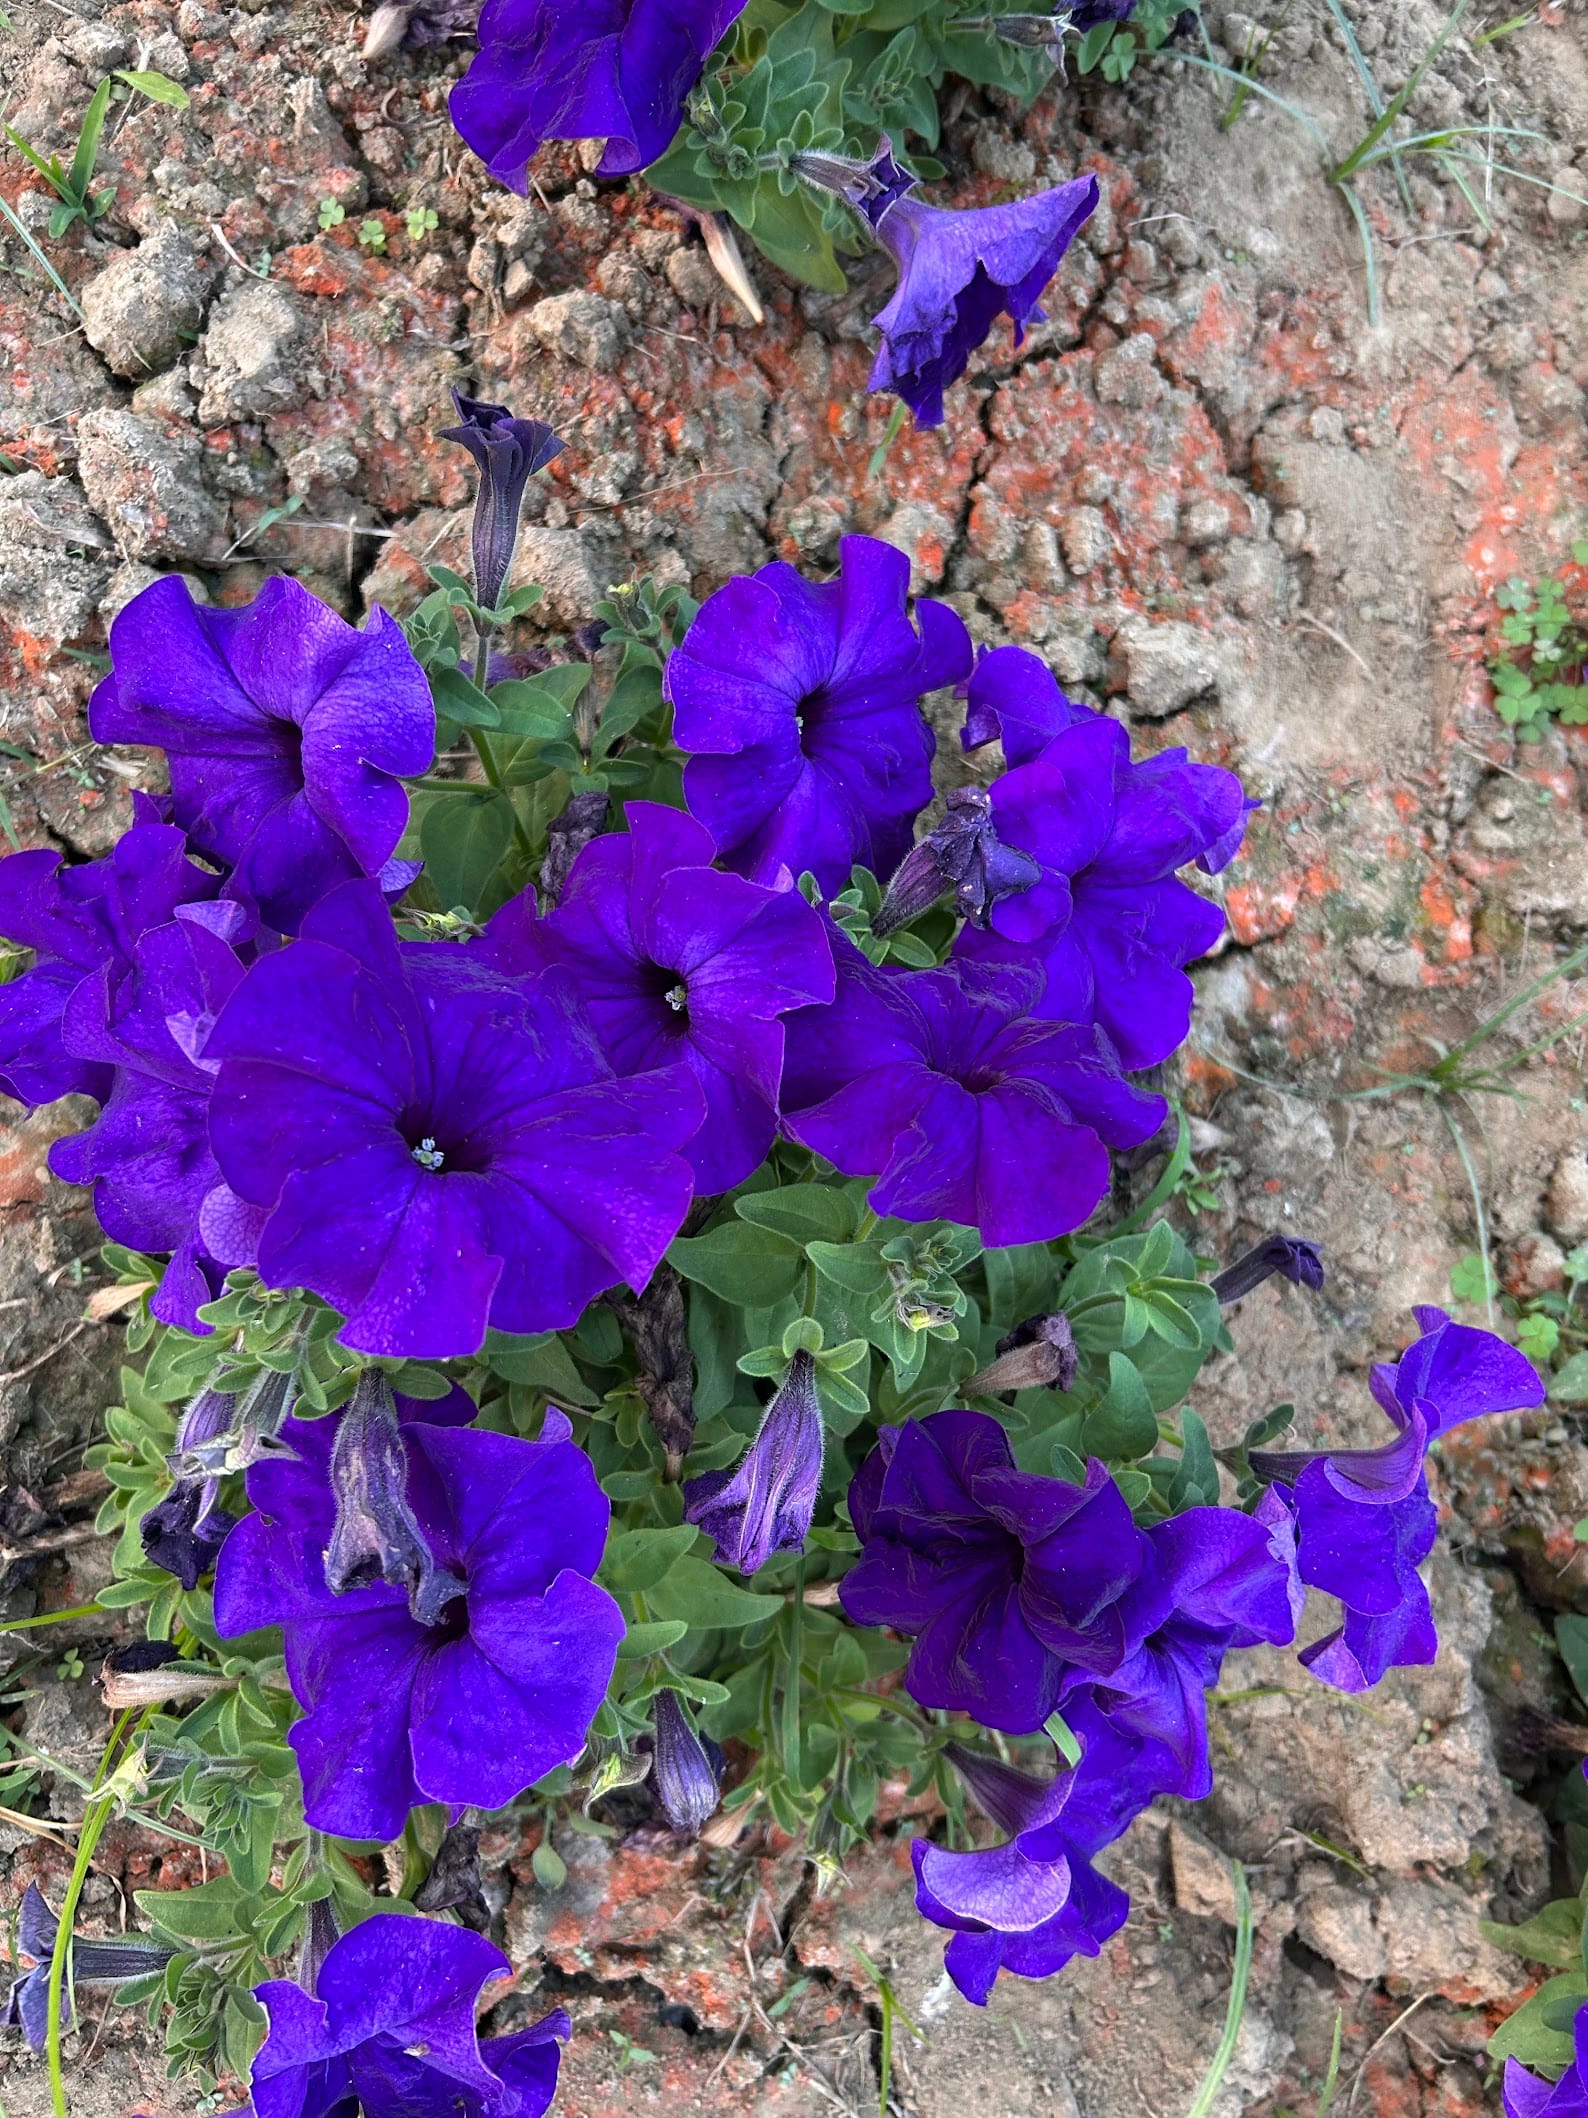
(183,1534)
(766,1505)
(567,836)
(376,1537)
(508,451)
(1016,1801)
(220,1432)
(870,187)
(1038,1354)
(454,1883)
(685,1778)
(1295,1260)
(92,1963)
(964,854)
(320,1936)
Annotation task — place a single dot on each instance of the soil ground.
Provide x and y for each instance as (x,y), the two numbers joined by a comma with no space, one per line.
(1212,493)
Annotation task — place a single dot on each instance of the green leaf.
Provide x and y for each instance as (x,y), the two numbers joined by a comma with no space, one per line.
(702,1595)
(213,1911)
(1569,1385)
(802,1212)
(532,712)
(749,1266)
(541,1363)
(81,172)
(159,88)
(859,1267)
(637,1559)
(1196,1479)
(653,1638)
(1531,2034)
(462,839)
(1553,1936)
(458,698)
(1123,1425)
(1571,1637)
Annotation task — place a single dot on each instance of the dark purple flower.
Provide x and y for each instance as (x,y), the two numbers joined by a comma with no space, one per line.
(388,2030)
(183,1534)
(475,1706)
(508,451)
(1009,1582)
(93,1963)
(964,854)
(765,1506)
(1291,1257)
(1027,1906)
(285,728)
(438,1147)
(964,1107)
(613,70)
(802,706)
(77,920)
(675,964)
(686,1778)
(1525,2096)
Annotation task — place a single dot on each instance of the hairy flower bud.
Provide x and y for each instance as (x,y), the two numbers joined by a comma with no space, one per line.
(1038,1354)
(964,854)
(1295,1260)
(152,1673)
(765,1506)
(376,1537)
(685,1777)
(508,451)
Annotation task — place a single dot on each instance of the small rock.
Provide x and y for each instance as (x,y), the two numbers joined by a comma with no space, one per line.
(996,155)
(1166,665)
(1084,539)
(148,484)
(1338,1923)
(1205,522)
(1567,1207)
(581,326)
(140,311)
(54,556)
(248,355)
(1127,376)
(1537,1265)
(690,275)
(1203,1881)
(561,561)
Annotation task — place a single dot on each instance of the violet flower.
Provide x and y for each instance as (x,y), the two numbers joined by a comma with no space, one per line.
(388,2029)
(508,451)
(964,854)
(766,1505)
(964,1107)
(77,920)
(619,72)
(675,964)
(482,1696)
(286,730)
(93,1963)
(1525,2096)
(1027,1906)
(434,1146)
(802,706)
(957,271)
(686,1778)
(1291,1257)
(1009,1582)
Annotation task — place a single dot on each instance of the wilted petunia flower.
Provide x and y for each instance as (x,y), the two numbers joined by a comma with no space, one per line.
(1291,1257)
(436,1146)
(388,2030)
(375,1536)
(957,271)
(474,1706)
(964,1107)
(618,72)
(1525,2096)
(93,1963)
(508,451)
(765,1506)
(285,728)
(677,963)
(686,1778)
(76,920)
(802,706)
(964,854)
(1027,1906)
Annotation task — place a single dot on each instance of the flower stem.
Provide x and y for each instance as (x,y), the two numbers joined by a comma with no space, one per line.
(96,1817)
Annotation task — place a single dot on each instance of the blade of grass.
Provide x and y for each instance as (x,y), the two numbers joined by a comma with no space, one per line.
(1331,2080)
(1369,253)
(81,173)
(1347,168)
(55,279)
(1482,1217)
(1256,88)
(1213,2079)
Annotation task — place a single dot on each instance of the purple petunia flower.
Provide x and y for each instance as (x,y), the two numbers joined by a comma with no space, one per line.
(1008,1581)
(765,1506)
(1291,1257)
(802,706)
(1027,1906)
(1108,918)
(1525,2096)
(1364,1520)
(474,1706)
(508,451)
(966,1108)
(613,70)
(76,920)
(285,728)
(92,1963)
(438,1147)
(676,963)
(388,2029)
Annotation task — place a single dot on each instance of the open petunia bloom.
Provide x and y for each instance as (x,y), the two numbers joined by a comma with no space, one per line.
(963,1106)
(77,920)
(766,1505)
(1027,1906)
(491,1687)
(436,1146)
(1525,2096)
(801,704)
(387,2029)
(615,70)
(676,963)
(286,729)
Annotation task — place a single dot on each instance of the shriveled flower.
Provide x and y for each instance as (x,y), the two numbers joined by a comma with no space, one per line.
(417,25)
(508,451)
(583,817)
(388,2030)
(963,1106)
(1525,2096)
(77,920)
(801,706)
(1027,1906)
(93,1963)
(1040,1354)
(618,72)
(286,730)
(435,1146)
(499,1685)
(1291,1257)
(958,272)
(686,1775)
(376,1536)
(1007,1581)
(678,964)
(962,854)
(766,1505)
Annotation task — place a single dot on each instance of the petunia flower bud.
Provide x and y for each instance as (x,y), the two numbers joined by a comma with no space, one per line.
(766,1505)
(508,451)
(1038,1354)
(376,1537)
(964,854)
(152,1673)
(685,1778)
(1299,1262)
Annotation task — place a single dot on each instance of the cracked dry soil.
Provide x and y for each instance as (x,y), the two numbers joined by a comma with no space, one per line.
(1212,495)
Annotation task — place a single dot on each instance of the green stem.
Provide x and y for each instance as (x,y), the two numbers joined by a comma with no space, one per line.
(95,1819)
(78,1610)
(1212,2080)
(1342,172)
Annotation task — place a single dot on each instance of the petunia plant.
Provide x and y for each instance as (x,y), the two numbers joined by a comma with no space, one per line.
(619,1167)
